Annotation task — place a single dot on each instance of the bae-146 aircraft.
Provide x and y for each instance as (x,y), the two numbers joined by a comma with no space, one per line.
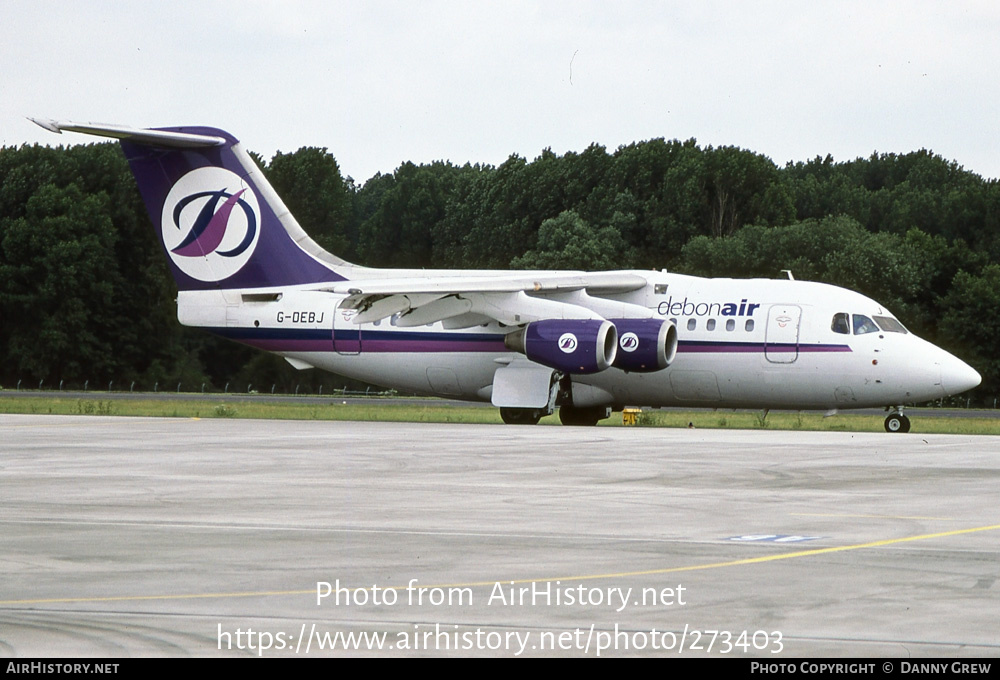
(527,341)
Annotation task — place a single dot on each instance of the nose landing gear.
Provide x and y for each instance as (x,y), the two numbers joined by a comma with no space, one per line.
(896,421)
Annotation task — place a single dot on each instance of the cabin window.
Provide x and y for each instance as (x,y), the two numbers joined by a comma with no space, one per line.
(710,325)
(692,324)
(660,288)
(673,321)
(863,325)
(731,324)
(749,325)
(841,324)
(887,323)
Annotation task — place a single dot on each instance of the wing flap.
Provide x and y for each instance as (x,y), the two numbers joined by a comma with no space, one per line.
(438,310)
(512,298)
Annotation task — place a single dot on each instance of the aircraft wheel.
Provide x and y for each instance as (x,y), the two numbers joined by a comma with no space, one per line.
(897,422)
(520,416)
(586,417)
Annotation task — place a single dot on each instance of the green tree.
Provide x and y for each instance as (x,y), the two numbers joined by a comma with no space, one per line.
(834,250)
(311,186)
(743,187)
(485,225)
(58,278)
(569,242)
(971,326)
(402,230)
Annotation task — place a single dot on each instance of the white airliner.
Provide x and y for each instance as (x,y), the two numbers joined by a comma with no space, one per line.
(528,341)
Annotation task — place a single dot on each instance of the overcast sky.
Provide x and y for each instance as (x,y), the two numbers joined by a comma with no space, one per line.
(379,83)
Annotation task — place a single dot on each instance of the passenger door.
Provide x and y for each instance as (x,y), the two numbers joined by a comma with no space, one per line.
(781,337)
(346,333)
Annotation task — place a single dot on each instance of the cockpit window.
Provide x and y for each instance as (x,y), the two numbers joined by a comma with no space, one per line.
(862,325)
(887,323)
(841,324)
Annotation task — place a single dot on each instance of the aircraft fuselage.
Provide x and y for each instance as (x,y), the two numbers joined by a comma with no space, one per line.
(756,343)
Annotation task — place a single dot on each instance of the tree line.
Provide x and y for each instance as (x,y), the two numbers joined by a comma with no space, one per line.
(85,293)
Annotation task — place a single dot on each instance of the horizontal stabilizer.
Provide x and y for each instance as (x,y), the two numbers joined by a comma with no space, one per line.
(164,138)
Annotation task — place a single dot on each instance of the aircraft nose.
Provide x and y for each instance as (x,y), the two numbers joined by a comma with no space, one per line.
(957,376)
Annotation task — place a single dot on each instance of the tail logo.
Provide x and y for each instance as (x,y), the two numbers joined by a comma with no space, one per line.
(210,223)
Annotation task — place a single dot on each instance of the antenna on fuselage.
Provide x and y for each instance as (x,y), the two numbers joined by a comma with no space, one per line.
(789,272)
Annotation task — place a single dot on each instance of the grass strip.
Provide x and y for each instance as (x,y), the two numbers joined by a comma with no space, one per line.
(924,420)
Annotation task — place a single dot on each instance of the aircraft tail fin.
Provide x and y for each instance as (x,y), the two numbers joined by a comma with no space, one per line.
(220,222)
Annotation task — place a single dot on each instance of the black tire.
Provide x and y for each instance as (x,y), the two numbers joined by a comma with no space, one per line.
(520,416)
(585,417)
(897,422)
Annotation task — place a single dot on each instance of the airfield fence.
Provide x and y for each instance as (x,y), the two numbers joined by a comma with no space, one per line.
(132,386)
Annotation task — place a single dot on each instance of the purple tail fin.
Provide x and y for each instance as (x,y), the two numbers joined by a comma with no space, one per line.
(219,221)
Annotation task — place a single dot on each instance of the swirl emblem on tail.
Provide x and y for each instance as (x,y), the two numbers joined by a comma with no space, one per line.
(210,223)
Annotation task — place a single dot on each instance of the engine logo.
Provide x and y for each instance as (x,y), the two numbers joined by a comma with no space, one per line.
(567,343)
(629,342)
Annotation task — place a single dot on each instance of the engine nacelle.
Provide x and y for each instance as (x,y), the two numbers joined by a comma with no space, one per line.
(645,345)
(567,345)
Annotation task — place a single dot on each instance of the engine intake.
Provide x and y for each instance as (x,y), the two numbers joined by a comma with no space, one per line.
(568,345)
(645,345)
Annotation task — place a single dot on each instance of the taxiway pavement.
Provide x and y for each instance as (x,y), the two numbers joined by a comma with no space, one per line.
(184,537)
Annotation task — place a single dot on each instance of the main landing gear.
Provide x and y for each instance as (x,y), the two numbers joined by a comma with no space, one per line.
(896,421)
(568,415)
(587,417)
(521,416)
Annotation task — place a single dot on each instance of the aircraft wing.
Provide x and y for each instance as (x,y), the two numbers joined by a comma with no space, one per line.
(512,298)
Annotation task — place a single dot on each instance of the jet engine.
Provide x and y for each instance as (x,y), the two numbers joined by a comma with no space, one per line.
(645,345)
(567,345)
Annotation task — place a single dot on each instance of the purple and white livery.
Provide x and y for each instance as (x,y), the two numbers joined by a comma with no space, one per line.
(528,341)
